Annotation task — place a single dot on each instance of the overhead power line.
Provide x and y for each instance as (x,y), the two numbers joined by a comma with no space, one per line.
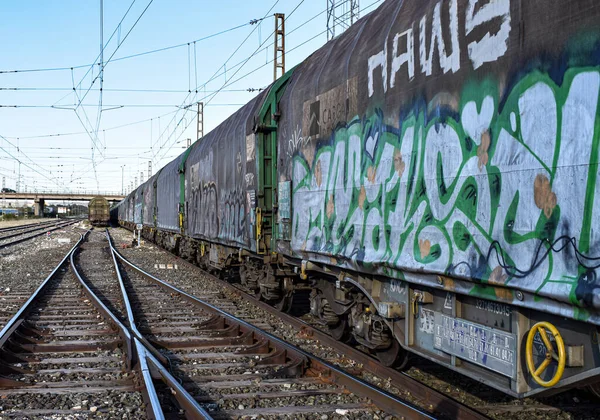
(256,51)
(134,55)
(229,83)
(52,89)
(159,90)
(183,103)
(108,106)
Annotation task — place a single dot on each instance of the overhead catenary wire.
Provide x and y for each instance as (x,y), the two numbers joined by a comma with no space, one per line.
(212,77)
(258,49)
(229,83)
(24,163)
(111,106)
(155,90)
(52,89)
(94,138)
(119,45)
(130,56)
(232,78)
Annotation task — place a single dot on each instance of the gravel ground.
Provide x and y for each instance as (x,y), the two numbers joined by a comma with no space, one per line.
(105,405)
(575,404)
(24,266)
(11,223)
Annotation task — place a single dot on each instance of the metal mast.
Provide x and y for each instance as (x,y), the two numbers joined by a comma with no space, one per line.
(341,14)
(200,121)
(279,53)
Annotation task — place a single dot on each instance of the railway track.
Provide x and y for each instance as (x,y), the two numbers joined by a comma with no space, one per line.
(25,226)
(17,236)
(427,384)
(434,401)
(228,366)
(64,353)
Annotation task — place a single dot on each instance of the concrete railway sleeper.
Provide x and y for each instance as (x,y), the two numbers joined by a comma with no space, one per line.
(230,367)
(63,353)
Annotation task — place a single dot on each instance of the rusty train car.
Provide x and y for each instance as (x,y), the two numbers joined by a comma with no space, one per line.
(431,175)
(99,211)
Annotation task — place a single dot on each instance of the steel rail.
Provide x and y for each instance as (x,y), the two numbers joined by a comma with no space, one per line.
(25,226)
(101,307)
(443,403)
(30,229)
(44,230)
(153,405)
(190,406)
(381,398)
(192,409)
(12,323)
(149,389)
(130,317)
(150,396)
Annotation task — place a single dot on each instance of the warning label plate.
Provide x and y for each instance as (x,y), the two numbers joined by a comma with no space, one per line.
(487,347)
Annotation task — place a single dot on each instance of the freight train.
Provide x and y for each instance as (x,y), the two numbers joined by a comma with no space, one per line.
(99,211)
(431,176)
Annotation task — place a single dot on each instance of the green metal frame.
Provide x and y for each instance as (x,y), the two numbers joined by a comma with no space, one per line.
(155,209)
(181,171)
(266,161)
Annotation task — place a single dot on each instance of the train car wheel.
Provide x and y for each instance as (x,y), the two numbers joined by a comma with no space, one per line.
(340,331)
(394,356)
(594,389)
(284,304)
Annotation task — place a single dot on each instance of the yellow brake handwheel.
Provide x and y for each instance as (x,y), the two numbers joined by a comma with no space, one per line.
(561,357)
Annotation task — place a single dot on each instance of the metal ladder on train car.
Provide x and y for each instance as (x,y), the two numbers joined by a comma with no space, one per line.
(266,156)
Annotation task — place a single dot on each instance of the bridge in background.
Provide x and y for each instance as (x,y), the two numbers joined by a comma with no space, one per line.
(39,198)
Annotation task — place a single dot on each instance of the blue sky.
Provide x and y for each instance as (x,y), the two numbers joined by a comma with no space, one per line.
(66,33)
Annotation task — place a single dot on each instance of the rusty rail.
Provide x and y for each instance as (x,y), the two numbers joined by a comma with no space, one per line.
(380,398)
(151,355)
(25,226)
(21,313)
(26,335)
(44,229)
(442,404)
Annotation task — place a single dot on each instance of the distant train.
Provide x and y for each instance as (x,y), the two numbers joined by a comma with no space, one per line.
(432,175)
(99,211)
(9,211)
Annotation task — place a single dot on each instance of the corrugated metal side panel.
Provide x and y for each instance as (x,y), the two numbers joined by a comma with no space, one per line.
(167,196)
(119,210)
(131,210)
(149,202)
(137,211)
(441,138)
(221,181)
(128,209)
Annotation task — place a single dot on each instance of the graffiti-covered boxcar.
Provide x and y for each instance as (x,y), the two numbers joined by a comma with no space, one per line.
(432,174)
